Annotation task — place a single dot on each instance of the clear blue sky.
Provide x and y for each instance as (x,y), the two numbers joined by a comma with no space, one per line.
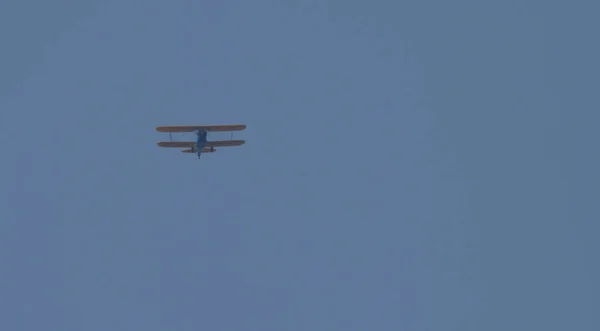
(409,165)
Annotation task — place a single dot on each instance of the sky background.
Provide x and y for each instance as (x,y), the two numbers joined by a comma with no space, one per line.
(409,165)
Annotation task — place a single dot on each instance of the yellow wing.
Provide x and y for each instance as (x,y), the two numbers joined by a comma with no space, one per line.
(192,128)
(224,143)
(180,144)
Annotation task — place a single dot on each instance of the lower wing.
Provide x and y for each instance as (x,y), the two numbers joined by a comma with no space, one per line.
(179,144)
(224,143)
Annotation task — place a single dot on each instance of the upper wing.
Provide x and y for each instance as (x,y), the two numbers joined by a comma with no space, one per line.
(177,143)
(223,143)
(214,128)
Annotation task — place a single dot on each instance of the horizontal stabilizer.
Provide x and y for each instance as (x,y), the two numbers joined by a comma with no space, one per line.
(204,150)
(192,128)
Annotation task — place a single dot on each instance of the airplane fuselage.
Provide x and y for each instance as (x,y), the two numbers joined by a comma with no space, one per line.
(201,141)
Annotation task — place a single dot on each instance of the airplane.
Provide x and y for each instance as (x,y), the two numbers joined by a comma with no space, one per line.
(201,145)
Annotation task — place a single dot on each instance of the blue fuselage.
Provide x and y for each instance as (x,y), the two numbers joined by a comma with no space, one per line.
(201,142)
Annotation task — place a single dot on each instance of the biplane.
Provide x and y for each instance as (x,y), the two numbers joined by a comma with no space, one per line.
(202,144)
